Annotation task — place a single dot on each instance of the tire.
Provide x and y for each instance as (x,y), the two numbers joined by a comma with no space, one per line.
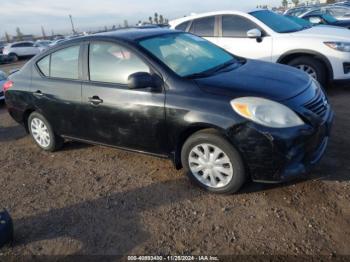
(14,57)
(232,168)
(316,65)
(42,133)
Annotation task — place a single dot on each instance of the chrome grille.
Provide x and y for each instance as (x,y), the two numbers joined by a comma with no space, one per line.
(318,104)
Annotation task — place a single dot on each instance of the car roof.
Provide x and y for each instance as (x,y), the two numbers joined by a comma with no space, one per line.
(223,12)
(131,34)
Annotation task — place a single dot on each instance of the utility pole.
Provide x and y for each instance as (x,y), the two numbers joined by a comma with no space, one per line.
(71,21)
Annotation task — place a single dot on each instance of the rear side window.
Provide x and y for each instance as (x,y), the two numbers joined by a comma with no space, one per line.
(61,64)
(203,26)
(65,63)
(183,26)
(112,63)
(44,65)
(236,26)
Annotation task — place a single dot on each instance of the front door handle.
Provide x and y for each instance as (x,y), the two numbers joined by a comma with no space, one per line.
(95,100)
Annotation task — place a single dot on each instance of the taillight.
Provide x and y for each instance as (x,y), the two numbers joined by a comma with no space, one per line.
(7,85)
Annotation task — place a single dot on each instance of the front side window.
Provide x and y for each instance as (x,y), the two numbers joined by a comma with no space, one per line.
(112,63)
(236,26)
(276,22)
(65,63)
(186,54)
(203,26)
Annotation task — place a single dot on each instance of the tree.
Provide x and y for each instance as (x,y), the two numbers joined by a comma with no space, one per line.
(126,24)
(150,19)
(8,38)
(285,3)
(161,19)
(43,32)
(156,18)
(19,34)
(295,2)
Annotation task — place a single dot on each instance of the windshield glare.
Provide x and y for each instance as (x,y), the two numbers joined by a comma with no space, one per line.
(276,22)
(186,54)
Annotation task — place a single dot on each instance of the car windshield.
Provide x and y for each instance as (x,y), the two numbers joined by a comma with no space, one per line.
(187,55)
(278,23)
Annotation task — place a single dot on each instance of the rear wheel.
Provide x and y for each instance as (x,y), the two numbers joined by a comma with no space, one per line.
(313,67)
(42,133)
(14,57)
(213,163)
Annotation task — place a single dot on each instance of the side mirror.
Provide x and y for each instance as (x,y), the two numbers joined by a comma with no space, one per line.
(315,20)
(142,80)
(254,33)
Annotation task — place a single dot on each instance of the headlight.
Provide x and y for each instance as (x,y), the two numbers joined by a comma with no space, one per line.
(340,46)
(266,112)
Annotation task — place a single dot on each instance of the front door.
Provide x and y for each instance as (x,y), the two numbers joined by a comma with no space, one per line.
(233,38)
(115,115)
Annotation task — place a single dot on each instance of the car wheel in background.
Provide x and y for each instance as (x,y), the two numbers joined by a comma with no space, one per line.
(213,163)
(42,133)
(312,67)
(13,57)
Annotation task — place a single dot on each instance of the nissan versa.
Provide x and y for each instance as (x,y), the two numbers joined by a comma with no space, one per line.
(224,119)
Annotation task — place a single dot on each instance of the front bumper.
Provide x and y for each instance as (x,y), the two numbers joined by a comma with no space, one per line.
(274,156)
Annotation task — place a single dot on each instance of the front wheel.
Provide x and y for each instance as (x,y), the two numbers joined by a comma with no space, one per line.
(42,133)
(213,163)
(313,67)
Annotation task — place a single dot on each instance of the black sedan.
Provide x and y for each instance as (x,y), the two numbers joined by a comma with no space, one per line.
(224,119)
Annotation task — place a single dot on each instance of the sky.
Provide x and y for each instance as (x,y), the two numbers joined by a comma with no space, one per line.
(30,15)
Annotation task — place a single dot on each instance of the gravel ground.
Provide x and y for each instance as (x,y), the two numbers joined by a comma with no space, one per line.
(95,200)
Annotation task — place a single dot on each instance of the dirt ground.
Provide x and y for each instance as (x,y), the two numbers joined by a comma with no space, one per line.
(95,200)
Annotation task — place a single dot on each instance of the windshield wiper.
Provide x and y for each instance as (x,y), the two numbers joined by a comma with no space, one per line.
(212,70)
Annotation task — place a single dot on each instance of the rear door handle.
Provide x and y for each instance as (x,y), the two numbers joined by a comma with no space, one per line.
(38,93)
(95,100)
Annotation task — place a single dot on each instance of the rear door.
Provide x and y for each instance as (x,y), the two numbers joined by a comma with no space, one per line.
(114,114)
(56,89)
(233,38)
(205,27)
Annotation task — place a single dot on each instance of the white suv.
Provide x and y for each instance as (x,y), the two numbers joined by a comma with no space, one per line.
(21,49)
(321,51)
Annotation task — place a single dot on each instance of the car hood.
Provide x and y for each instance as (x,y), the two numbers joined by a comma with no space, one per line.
(325,32)
(256,78)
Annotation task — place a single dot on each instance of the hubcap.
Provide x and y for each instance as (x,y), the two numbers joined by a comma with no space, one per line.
(210,165)
(308,69)
(40,132)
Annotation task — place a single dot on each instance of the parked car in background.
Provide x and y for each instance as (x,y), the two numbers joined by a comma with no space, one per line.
(3,79)
(322,52)
(340,12)
(4,59)
(42,44)
(55,42)
(171,94)
(300,21)
(2,48)
(319,18)
(19,50)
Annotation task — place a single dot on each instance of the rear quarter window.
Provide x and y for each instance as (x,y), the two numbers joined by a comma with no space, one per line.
(183,26)
(44,65)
